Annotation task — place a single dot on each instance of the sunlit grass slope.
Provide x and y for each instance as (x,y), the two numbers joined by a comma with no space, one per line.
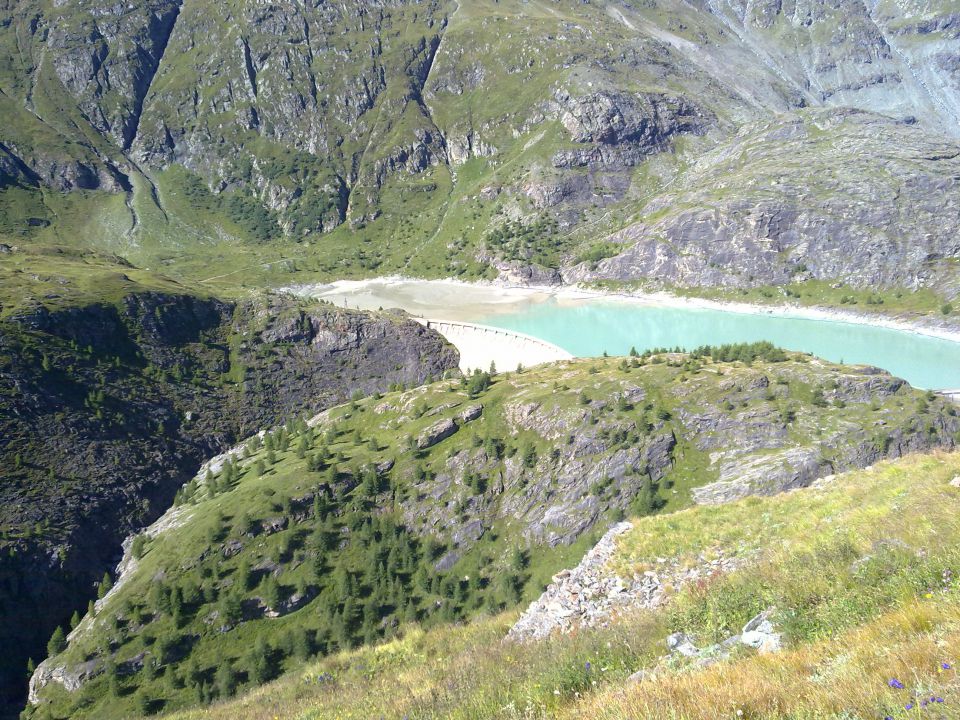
(862,571)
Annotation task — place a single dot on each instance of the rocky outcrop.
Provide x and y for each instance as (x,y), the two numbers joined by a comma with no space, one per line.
(440,430)
(590,595)
(70,677)
(601,462)
(775,229)
(759,633)
(621,129)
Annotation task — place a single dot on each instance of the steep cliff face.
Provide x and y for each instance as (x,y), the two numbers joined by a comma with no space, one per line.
(768,208)
(106,410)
(106,56)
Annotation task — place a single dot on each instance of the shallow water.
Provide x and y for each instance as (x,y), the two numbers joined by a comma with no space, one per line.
(589,328)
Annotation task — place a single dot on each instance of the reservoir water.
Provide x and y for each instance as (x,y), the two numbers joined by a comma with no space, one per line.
(589,326)
(590,329)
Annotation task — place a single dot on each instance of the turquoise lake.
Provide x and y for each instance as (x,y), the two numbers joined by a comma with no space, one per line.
(589,329)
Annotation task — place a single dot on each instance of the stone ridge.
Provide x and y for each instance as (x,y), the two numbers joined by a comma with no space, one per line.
(590,595)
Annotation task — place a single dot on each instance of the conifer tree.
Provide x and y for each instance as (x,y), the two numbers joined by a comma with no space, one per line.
(226,680)
(57,643)
(104,587)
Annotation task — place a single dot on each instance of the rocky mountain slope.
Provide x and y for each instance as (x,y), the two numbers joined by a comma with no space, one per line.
(107,408)
(430,504)
(714,143)
(834,600)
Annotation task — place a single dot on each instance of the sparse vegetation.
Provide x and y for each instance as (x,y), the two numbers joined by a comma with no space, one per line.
(848,633)
(301,540)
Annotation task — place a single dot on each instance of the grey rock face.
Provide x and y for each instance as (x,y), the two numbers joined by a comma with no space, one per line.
(785,216)
(621,128)
(106,57)
(440,430)
(469,414)
(590,595)
(71,678)
(760,633)
(682,645)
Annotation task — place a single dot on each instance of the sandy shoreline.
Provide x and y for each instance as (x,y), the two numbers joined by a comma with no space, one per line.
(457,300)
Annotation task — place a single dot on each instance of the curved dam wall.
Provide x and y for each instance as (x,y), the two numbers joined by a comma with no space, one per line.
(479,345)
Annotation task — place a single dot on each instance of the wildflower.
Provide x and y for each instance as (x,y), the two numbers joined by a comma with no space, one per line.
(938,699)
(895,684)
(945,666)
(908,706)
(588,666)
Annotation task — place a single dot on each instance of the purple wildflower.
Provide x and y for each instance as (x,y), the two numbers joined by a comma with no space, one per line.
(945,666)
(908,706)
(588,666)
(895,684)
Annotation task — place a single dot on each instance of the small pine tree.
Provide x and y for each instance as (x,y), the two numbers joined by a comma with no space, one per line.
(104,587)
(226,680)
(57,643)
(74,619)
(243,575)
(261,669)
(270,592)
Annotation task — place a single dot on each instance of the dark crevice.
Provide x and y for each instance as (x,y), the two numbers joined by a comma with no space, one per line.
(162,27)
(251,70)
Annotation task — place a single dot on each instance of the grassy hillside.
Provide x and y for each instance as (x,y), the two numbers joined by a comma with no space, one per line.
(862,572)
(447,502)
(116,384)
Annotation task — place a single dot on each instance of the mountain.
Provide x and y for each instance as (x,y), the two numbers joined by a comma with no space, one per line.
(705,144)
(433,504)
(166,165)
(110,400)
